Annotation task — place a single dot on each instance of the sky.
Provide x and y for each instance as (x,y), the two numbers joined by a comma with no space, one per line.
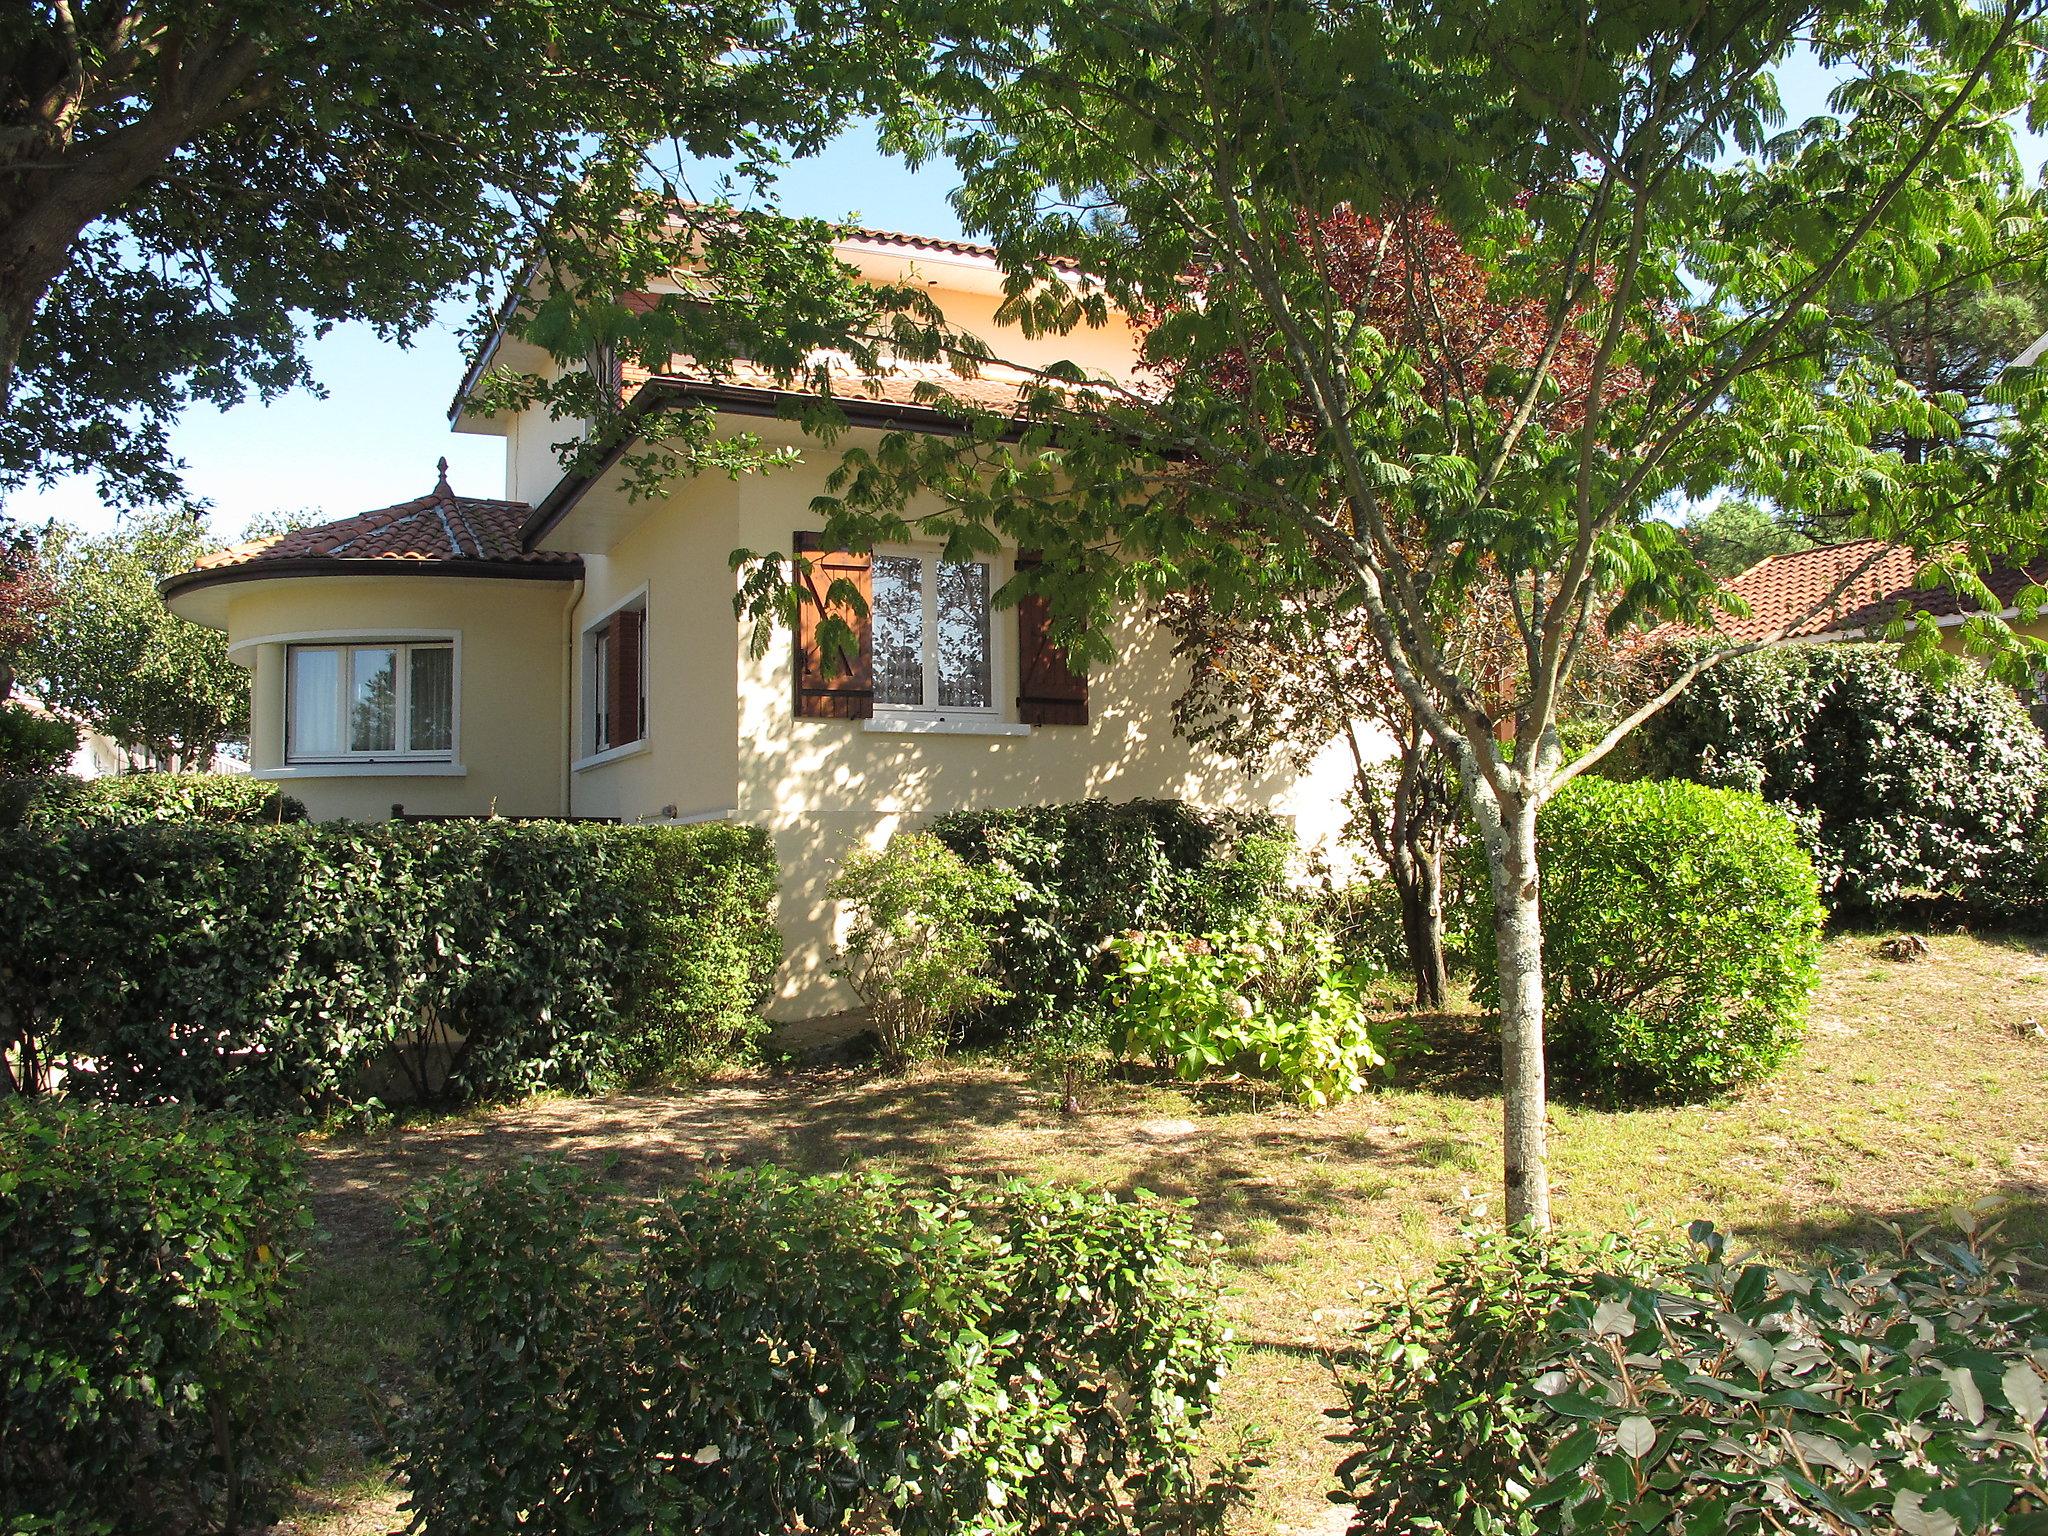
(374,439)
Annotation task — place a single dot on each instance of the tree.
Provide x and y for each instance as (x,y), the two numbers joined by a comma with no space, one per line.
(25,597)
(1734,533)
(181,181)
(1631,203)
(109,651)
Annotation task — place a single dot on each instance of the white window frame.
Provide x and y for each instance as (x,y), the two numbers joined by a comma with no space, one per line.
(404,645)
(931,716)
(592,702)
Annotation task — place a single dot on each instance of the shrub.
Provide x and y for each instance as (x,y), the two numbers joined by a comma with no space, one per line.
(1900,783)
(1094,869)
(218,799)
(1681,937)
(33,744)
(146,1346)
(1444,1428)
(270,967)
(918,951)
(757,1351)
(1586,1387)
(1259,1000)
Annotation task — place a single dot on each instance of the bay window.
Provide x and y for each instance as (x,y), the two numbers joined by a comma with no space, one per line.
(370,701)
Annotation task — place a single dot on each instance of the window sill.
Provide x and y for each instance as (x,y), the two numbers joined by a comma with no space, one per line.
(384,768)
(944,725)
(609,755)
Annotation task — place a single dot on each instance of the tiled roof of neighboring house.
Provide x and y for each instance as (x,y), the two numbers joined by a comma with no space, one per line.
(1784,589)
(438,532)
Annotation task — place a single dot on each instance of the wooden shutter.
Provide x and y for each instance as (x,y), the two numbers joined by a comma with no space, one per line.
(622,683)
(1049,692)
(849,693)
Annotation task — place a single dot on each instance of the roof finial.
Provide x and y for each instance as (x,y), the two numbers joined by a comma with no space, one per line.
(441,486)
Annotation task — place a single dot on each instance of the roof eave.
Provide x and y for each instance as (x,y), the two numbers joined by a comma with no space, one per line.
(326,565)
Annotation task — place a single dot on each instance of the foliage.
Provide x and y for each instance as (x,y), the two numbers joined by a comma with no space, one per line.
(146,1349)
(759,1351)
(1601,274)
(1444,1430)
(33,744)
(131,799)
(24,597)
(1070,1050)
(284,968)
(1895,1392)
(188,188)
(1681,933)
(113,655)
(1734,534)
(1900,782)
(1268,1000)
(1093,869)
(918,951)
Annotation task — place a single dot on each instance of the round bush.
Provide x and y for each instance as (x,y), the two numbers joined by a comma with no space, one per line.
(1901,784)
(1681,936)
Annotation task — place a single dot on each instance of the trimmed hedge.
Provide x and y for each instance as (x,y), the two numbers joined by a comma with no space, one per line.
(1901,785)
(146,1346)
(1558,1385)
(1681,937)
(269,968)
(218,799)
(1094,869)
(758,1351)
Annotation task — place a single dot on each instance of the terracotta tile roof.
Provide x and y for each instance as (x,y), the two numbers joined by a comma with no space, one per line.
(437,528)
(1784,589)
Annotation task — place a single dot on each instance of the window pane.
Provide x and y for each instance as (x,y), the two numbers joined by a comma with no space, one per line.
(315,688)
(373,699)
(431,727)
(897,611)
(963,637)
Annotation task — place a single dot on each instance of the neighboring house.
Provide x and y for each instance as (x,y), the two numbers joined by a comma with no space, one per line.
(1785,589)
(573,652)
(99,756)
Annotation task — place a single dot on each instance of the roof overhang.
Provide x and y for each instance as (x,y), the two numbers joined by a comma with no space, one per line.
(188,585)
(667,394)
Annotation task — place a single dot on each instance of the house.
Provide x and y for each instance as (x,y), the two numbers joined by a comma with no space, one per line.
(1798,593)
(565,650)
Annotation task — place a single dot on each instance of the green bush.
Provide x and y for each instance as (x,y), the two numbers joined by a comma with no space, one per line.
(217,799)
(918,951)
(762,1352)
(33,744)
(1261,1000)
(1681,937)
(271,968)
(146,1345)
(1094,869)
(1902,1393)
(1901,784)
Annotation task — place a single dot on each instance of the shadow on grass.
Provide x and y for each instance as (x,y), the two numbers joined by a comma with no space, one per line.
(2019,1206)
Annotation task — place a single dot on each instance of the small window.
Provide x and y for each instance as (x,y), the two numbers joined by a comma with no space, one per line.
(617,655)
(370,701)
(931,635)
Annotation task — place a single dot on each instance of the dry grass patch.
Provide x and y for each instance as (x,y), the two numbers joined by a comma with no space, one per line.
(1921,1087)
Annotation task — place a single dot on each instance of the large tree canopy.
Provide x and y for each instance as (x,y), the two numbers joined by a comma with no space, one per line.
(1623,174)
(187,185)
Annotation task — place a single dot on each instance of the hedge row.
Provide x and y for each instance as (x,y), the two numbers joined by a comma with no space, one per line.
(146,1378)
(1094,869)
(763,1352)
(218,799)
(272,968)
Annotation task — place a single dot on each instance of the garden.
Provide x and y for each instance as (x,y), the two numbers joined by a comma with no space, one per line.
(478,1186)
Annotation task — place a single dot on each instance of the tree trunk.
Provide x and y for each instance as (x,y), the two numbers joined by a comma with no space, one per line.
(1418,879)
(1510,841)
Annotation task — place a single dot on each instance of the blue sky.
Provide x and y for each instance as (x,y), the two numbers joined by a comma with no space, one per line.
(373,440)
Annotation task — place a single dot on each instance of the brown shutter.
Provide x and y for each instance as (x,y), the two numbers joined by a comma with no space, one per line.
(1049,692)
(622,702)
(849,693)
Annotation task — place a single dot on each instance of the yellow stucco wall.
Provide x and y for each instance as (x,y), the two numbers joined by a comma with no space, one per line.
(509,716)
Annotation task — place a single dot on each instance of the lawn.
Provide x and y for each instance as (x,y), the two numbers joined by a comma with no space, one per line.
(1920,1087)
